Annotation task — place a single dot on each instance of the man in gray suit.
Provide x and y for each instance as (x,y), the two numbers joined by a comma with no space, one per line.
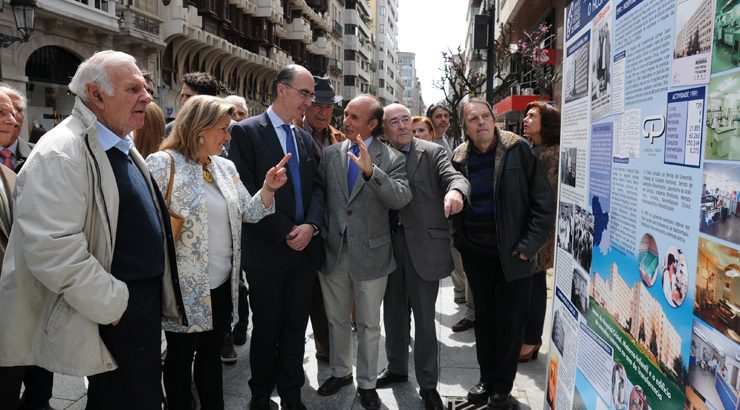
(363,180)
(421,244)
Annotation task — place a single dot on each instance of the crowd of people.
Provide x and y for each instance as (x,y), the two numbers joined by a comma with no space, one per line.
(124,226)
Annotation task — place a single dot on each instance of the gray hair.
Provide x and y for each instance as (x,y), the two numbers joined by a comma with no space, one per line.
(95,70)
(9,89)
(236,100)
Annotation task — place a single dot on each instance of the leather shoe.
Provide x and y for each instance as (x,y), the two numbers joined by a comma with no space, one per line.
(292,405)
(460,300)
(431,399)
(387,377)
(479,393)
(369,399)
(333,384)
(529,352)
(260,403)
(498,401)
(228,354)
(463,325)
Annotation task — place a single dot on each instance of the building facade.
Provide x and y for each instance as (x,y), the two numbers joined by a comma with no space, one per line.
(411,97)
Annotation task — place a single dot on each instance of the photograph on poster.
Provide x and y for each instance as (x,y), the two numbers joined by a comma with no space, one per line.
(638,400)
(714,365)
(719,214)
(568,158)
(642,326)
(576,233)
(552,380)
(717,299)
(648,260)
(675,276)
(725,48)
(565,227)
(575,78)
(722,127)
(601,71)
(558,331)
(619,386)
(579,290)
(693,45)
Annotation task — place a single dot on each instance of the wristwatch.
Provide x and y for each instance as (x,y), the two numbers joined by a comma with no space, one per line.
(315,230)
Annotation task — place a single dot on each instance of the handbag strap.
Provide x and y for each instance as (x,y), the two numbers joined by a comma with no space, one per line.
(172,179)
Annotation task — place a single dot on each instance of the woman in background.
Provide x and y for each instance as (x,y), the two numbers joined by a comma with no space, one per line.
(542,129)
(422,128)
(148,137)
(208,193)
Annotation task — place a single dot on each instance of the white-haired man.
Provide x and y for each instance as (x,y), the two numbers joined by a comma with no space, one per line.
(77,304)
(14,153)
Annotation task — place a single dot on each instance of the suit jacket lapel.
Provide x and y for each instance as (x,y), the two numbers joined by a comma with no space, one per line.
(270,136)
(414,158)
(341,170)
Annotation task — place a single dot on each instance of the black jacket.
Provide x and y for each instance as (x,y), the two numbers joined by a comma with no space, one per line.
(523,201)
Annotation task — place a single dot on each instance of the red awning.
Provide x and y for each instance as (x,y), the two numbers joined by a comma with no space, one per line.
(514,103)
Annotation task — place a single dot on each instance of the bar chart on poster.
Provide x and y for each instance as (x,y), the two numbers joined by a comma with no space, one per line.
(647,306)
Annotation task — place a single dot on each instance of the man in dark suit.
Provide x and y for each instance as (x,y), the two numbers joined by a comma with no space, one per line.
(363,179)
(421,244)
(15,151)
(281,253)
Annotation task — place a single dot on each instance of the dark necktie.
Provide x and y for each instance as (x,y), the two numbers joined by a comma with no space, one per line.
(352,169)
(295,173)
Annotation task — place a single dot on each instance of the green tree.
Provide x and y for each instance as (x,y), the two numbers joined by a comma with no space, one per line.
(653,346)
(641,333)
(681,372)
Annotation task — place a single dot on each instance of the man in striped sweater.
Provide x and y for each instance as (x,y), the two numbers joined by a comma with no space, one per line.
(499,235)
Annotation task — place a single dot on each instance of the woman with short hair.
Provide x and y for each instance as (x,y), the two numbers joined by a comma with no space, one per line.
(208,193)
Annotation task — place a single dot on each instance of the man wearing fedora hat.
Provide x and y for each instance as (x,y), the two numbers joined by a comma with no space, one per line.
(316,122)
(319,114)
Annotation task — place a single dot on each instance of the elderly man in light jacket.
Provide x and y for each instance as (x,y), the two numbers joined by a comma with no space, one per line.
(89,271)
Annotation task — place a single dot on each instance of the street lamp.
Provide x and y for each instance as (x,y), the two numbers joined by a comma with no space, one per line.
(24,12)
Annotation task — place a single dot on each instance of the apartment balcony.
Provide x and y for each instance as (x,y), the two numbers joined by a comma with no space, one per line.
(247,6)
(299,29)
(335,67)
(137,27)
(270,9)
(323,46)
(337,29)
(86,15)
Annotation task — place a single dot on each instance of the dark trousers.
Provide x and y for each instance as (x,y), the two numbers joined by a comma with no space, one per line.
(206,347)
(537,307)
(319,322)
(135,345)
(500,311)
(280,301)
(407,290)
(38,383)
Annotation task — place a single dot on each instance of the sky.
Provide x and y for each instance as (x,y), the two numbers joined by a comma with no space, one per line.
(427,28)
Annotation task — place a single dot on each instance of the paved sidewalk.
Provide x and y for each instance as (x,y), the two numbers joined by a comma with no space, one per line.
(458,372)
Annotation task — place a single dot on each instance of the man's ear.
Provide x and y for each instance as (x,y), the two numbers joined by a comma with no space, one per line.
(373,123)
(94,94)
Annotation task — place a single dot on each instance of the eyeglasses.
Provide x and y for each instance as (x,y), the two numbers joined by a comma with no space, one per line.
(308,95)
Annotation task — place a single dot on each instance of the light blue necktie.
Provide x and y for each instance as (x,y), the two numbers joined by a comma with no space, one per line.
(352,169)
(295,173)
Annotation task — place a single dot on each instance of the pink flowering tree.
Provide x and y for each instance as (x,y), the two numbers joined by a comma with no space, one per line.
(536,52)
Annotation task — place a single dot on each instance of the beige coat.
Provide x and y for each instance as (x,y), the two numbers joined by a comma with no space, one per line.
(55,286)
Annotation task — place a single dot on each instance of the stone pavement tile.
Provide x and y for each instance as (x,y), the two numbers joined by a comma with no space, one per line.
(70,388)
(60,403)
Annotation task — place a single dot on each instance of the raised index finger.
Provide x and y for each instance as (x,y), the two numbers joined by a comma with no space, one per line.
(283,161)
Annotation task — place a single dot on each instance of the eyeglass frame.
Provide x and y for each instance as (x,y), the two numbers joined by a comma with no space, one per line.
(305,94)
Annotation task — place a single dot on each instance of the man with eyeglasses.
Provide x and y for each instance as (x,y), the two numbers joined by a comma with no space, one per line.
(197,83)
(282,252)
(363,179)
(421,244)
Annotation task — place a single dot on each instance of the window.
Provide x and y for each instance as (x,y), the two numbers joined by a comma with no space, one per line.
(350,55)
(350,80)
(381,83)
(382,11)
(381,28)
